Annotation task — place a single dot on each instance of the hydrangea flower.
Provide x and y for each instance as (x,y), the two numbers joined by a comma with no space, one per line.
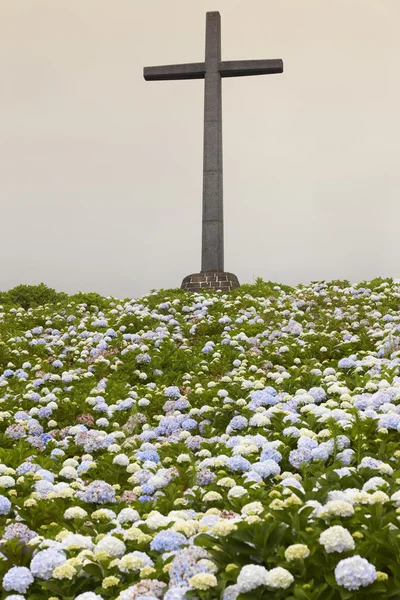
(167,541)
(45,561)
(336,539)
(355,572)
(5,505)
(250,578)
(17,579)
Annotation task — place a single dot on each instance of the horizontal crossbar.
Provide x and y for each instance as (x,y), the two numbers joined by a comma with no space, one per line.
(227,68)
(240,68)
(173,72)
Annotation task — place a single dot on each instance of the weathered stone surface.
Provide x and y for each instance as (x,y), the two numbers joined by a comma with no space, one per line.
(211,280)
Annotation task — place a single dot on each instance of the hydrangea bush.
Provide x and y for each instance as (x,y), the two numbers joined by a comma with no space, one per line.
(212,446)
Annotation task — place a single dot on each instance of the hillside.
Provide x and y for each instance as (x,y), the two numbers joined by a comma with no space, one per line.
(217,446)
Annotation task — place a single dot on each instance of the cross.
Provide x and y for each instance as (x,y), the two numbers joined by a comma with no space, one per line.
(212,70)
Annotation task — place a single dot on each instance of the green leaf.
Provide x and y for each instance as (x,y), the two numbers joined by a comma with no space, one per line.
(53,587)
(94,570)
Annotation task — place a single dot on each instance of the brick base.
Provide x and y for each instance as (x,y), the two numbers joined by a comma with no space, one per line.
(210,280)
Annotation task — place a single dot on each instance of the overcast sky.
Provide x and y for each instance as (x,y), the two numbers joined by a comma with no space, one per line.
(101,171)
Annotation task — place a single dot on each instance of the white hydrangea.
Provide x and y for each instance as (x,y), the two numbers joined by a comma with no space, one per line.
(297,552)
(379,497)
(128,515)
(259,420)
(336,508)
(253,508)
(373,484)
(279,578)
(69,473)
(6,481)
(88,596)
(76,541)
(203,581)
(111,545)
(251,577)
(75,512)
(103,514)
(336,539)
(223,528)
(156,520)
(121,460)
(237,491)
(134,561)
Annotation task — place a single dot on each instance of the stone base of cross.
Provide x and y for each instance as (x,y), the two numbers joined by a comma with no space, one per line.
(210,280)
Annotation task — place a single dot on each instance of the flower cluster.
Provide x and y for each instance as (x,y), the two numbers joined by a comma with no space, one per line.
(208,446)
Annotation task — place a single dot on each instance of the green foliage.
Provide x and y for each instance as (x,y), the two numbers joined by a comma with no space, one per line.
(91,299)
(261,288)
(29,296)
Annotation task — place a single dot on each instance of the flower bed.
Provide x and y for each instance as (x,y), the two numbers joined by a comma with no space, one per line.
(231,446)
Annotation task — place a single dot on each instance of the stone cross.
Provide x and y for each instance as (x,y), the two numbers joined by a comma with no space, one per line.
(212,70)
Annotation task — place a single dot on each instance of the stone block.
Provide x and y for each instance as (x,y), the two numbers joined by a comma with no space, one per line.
(212,280)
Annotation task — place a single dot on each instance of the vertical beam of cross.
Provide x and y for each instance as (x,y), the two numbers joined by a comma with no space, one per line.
(212,252)
(212,70)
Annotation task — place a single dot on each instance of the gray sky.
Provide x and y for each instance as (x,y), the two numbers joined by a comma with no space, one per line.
(101,172)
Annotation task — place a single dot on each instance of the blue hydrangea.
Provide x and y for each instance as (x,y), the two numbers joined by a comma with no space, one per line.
(84,466)
(346,363)
(19,531)
(150,455)
(389,421)
(46,475)
(176,593)
(167,425)
(238,422)
(57,453)
(270,453)
(185,564)
(45,561)
(205,477)
(266,468)
(306,443)
(238,463)
(21,415)
(5,505)
(167,541)
(18,579)
(297,457)
(355,572)
(98,492)
(207,349)
(143,358)
(320,453)
(265,397)
(146,436)
(291,431)
(346,457)
(44,411)
(172,392)
(189,424)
